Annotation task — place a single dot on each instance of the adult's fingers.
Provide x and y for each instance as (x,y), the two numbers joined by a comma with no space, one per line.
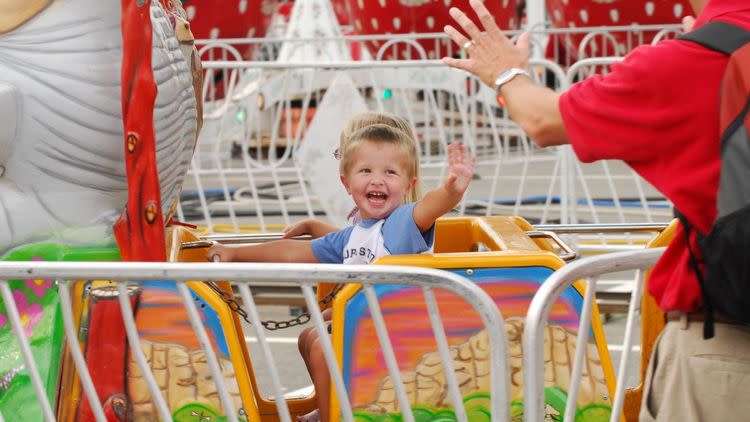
(486,18)
(523,43)
(463,64)
(456,35)
(466,23)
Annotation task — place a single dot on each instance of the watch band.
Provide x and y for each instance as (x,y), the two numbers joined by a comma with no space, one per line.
(508,76)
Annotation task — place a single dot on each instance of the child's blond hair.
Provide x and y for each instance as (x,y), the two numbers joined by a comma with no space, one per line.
(370,118)
(383,134)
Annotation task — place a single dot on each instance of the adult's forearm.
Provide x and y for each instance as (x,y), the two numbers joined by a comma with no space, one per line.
(536,109)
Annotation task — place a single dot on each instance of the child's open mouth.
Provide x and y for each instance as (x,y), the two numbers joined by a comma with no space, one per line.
(377,197)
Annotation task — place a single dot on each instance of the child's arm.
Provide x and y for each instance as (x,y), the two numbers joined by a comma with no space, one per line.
(315,228)
(286,250)
(441,200)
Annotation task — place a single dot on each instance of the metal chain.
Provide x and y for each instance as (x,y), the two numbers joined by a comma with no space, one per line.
(272,325)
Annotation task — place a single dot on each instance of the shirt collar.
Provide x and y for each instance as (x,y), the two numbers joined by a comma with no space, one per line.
(367,223)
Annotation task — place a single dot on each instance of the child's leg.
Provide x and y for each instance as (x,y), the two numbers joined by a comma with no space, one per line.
(308,336)
(312,354)
(304,341)
(321,379)
(318,369)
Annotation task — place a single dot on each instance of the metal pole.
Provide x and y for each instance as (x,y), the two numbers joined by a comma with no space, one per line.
(536,14)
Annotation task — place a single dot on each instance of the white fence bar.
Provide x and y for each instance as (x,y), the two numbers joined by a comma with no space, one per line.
(213,362)
(442,342)
(602,228)
(75,351)
(548,293)
(135,347)
(390,356)
(630,36)
(249,167)
(583,325)
(633,308)
(252,311)
(300,275)
(338,380)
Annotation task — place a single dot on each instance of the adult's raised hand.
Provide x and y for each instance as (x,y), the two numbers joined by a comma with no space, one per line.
(489,51)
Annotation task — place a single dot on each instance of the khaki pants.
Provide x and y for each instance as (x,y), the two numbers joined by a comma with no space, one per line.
(692,379)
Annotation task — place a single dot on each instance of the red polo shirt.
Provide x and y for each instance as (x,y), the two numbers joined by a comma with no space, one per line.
(658,111)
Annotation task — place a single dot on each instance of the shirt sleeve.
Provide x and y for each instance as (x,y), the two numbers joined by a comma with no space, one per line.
(640,108)
(329,249)
(401,235)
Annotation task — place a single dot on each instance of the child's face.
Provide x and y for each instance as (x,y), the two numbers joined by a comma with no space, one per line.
(377,179)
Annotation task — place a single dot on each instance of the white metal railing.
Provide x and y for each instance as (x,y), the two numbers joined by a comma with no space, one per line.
(250,111)
(245,275)
(539,309)
(591,239)
(564,42)
(267,181)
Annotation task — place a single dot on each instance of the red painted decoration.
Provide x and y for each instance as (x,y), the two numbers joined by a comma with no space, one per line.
(229,19)
(140,229)
(420,16)
(212,19)
(106,356)
(285,10)
(588,13)
(340,8)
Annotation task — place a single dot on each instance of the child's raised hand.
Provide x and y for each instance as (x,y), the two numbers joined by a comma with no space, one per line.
(221,253)
(460,168)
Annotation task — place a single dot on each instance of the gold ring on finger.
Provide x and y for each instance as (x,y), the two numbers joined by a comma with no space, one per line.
(468,44)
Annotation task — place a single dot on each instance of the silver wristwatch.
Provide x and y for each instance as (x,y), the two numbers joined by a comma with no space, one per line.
(508,76)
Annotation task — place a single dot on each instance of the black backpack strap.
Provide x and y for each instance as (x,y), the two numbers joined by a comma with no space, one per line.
(708,309)
(719,36)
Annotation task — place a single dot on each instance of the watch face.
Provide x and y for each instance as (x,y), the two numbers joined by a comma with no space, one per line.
(508,75)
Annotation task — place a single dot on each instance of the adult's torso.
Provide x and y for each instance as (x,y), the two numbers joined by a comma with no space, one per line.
(658,111)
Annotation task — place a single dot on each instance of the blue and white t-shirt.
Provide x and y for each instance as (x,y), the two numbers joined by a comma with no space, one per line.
(368,240)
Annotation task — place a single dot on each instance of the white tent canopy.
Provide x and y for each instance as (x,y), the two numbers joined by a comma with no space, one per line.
(313,19)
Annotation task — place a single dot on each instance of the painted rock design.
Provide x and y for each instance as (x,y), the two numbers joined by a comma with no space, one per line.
(184,378)
(426,385)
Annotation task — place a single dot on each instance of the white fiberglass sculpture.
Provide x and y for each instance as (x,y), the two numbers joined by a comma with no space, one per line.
(62,164)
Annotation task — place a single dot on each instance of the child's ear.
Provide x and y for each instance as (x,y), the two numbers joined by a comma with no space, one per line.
(409,189)
(346,185)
